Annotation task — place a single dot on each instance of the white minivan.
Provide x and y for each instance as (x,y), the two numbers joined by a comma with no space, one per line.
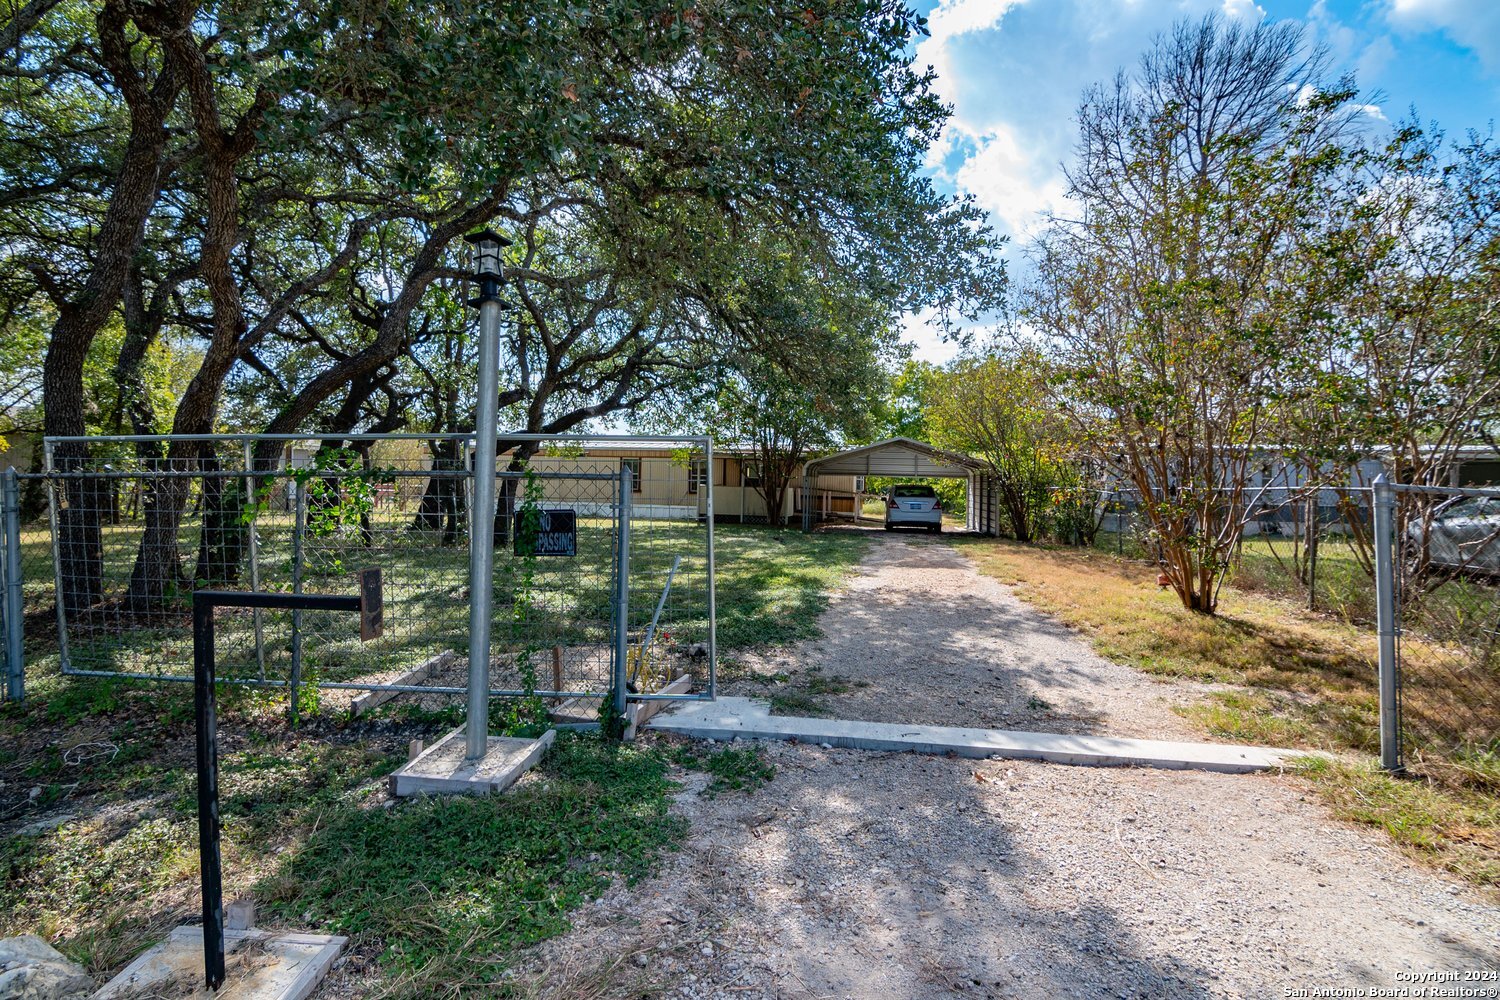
(913,505)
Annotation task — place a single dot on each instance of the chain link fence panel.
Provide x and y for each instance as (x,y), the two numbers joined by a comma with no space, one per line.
(1446,555)
(134,526)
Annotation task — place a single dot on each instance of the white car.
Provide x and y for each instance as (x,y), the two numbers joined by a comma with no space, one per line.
(1464,536)
(913,505)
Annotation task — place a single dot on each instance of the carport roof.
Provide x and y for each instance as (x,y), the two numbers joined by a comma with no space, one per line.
(894,457)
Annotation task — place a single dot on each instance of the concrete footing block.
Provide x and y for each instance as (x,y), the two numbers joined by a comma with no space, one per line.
(260,965)
(441,769)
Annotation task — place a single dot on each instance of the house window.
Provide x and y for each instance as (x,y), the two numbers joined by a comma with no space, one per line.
(634,465)
(859,484)
(750,473)
(697,474)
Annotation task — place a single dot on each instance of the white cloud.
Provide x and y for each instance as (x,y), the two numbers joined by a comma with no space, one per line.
(927,344)
(1374,59)
(1474,24)
(1243,10)
(1011,182)
(953,19)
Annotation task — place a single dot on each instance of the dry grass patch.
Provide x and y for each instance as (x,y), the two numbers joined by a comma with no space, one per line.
(1302,681)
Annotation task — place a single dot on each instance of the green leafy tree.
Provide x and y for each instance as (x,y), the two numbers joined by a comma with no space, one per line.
(282,184)
(813,387)
(1000,409)
(1174,306)
(1407,359)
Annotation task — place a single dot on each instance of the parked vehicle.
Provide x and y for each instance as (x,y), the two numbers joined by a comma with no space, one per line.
(913,505)
(1464,536)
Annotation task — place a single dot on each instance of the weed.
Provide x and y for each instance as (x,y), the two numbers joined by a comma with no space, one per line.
(795,702)
(837,684)
(451,886)
(741,769)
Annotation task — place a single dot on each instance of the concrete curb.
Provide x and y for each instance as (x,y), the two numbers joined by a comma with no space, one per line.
(746,719)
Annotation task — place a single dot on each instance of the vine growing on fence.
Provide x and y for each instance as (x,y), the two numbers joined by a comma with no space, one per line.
(528,714)
(341,493)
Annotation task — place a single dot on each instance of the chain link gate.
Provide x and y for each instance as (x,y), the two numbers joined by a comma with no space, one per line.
(138,523)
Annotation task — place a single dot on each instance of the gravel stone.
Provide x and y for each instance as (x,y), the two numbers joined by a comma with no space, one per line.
(899,875)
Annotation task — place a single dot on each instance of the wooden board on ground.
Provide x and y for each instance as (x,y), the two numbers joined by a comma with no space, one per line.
(417,675)
(637,713)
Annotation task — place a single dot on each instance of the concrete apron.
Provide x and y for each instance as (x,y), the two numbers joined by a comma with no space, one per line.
(750,719)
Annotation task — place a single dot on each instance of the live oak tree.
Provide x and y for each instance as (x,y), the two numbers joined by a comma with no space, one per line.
(238,176)
(820,388)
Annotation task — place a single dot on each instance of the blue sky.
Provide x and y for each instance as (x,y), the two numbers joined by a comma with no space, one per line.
(1013,70)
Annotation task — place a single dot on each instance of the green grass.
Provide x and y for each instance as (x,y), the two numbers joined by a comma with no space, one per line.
(443,890)
(1305,680)
(771,587)
(449,887)
(98,885)
(1457,830)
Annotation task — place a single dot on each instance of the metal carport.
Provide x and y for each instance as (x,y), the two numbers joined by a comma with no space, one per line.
(905,457)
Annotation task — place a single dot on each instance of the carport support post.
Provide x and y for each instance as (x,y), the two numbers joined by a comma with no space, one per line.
(1385,619)
(15,668)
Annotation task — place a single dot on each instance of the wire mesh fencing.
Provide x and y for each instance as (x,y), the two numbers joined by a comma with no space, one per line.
(1446,572)
(1310,545)
(137,525)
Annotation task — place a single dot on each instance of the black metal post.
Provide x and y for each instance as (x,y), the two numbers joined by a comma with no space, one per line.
(208,790)
(204,602)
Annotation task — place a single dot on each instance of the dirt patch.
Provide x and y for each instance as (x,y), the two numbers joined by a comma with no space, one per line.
(920,636)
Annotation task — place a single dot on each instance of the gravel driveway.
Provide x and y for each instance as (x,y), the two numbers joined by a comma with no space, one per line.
(902,876)
(920,636)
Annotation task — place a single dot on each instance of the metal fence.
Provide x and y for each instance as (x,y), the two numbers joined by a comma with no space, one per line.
(1439,592)
(1314,546)
(134,525)
(1420,566)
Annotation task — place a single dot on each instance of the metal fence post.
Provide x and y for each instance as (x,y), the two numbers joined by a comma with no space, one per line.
(1313,530)
(48,453)
(253,508)
(713,605)
(1385,618)
(15,610)
(299,525)
(622,594)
